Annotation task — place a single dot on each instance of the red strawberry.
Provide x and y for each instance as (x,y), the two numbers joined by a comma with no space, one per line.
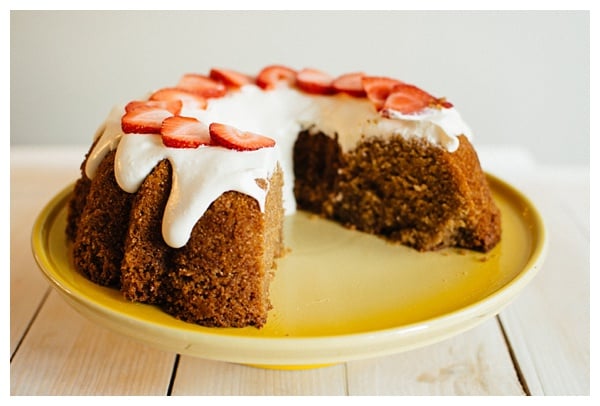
(273,74)
(184,132)
(315,81)
(378,88)
(202,85)
(230,137)
(230,78)
(174,106)
(407,99)
(188,99)
(350,83)
(144,120)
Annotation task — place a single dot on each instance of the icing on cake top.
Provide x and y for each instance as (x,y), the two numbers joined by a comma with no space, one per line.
(279,111)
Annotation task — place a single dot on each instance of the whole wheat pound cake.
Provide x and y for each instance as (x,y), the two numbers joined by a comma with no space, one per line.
(183,193)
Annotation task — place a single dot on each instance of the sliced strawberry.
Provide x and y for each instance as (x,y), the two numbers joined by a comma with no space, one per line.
(202,85)
(407,99)
(273,74)
(230,137)
(144,120)
(350,83)
(174,106)
(184,132)
(189,100)
(378,88)
(230,77)
(315,81)
(402,103)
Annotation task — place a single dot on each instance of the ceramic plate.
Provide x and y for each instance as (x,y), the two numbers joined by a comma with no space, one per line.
(339,295)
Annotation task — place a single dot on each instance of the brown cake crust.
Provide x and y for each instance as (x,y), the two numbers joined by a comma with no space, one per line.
(76,205)
(102,224)
(221,277)
(77,202)
(146,256)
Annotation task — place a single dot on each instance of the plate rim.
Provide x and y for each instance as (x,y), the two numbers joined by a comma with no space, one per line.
(315,348)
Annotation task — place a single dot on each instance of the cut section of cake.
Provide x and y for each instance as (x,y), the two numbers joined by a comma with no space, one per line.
(406,191)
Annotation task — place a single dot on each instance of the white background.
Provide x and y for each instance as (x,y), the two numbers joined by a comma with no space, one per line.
(518,77)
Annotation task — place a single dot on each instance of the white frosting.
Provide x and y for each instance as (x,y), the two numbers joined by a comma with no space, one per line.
(202,174)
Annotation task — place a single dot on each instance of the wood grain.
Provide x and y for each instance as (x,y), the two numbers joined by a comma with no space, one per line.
(64,354)
(201,377)
(473,363)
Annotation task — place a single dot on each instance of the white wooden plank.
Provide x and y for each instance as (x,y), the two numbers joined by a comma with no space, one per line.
(476,362)
(27,285)
(30,189)
(197,376)
(549,324)
(64,354)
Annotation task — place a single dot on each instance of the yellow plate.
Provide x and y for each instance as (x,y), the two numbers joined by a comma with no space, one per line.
(339,295)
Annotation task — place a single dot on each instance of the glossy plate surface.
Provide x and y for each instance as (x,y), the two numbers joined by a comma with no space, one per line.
(339,295)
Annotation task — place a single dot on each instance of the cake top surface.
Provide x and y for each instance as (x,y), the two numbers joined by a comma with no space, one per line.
(224,130)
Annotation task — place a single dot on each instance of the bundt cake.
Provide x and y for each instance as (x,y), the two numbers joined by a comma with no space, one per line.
(183,192)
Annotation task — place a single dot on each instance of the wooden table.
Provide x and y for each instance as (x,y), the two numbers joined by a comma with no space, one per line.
(539,345)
